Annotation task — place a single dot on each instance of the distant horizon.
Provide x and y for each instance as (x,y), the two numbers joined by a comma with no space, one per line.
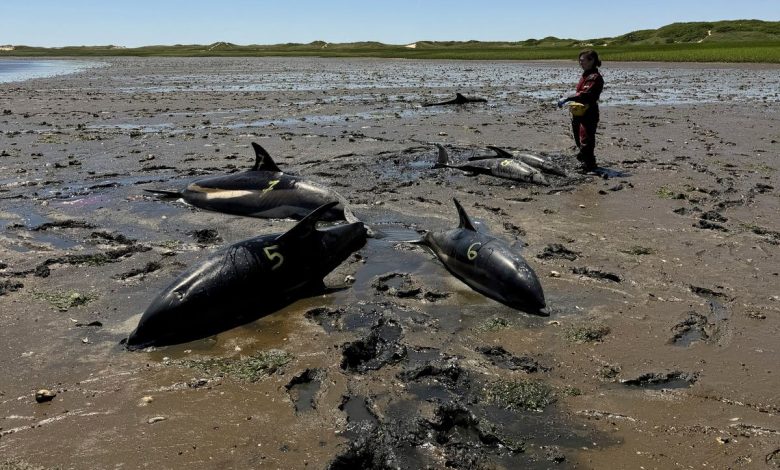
(142,23)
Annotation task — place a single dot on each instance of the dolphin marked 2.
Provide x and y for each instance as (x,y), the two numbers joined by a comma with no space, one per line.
(264,191)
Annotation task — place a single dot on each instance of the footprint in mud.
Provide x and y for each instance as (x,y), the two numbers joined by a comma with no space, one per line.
(403,286)
(558,251)
(381,347)
(502,358)
(595,273)
(349,318)
(691,330)
(662,380)
(303,389)
(206,236)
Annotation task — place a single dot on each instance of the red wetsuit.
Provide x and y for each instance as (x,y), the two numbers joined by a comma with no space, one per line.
(584,127)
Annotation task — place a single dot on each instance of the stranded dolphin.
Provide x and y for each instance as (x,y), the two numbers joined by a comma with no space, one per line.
(487,264)
(529,159)
(264,191)
(246,280)
(459,99)
(508,168)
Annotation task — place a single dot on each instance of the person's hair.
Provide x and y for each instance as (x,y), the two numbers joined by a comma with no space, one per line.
(591,54)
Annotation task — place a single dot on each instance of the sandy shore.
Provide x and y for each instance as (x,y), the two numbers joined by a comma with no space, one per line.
(661,350)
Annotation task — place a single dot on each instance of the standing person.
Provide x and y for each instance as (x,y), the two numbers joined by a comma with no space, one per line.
(585,113)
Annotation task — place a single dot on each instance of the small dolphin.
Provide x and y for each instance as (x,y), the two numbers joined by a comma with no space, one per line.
(246,280)
(264,191)
(531,160)
(508,168)
(487,264)
(459,99)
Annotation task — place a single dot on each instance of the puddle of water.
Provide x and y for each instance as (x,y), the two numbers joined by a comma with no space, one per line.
(17,70)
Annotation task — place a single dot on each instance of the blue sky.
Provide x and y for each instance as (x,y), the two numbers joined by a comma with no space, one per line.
(143,22)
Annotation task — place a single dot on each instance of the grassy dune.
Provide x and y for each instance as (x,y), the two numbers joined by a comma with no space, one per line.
(723,41)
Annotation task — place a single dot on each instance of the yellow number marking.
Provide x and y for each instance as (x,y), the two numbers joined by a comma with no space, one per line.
(505,162)
(271,255)
(471,253)
(271,185)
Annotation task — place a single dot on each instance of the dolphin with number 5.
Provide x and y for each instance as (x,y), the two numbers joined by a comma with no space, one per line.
(264,191)
(487,264)
(508,168)
(247,280)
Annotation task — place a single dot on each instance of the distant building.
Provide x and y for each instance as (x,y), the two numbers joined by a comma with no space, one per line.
(7,48)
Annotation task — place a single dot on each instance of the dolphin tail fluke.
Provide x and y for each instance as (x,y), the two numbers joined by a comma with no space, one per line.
(164,193)
(350,217)
(263,160)
(443,158)
(465,221)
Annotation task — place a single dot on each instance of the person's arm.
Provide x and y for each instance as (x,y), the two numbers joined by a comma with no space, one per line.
(591,90)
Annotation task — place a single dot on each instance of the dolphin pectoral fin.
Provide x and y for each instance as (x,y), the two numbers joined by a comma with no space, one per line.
(263,160)
(164,193)
(465,222)
(307,224)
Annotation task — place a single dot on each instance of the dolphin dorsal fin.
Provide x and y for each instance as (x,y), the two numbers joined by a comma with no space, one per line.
(465,222)
(460,97)
(308,224)
(263,161)
(501,152)
(443,158)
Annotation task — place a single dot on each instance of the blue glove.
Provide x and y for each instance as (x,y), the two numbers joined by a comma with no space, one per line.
(562,102)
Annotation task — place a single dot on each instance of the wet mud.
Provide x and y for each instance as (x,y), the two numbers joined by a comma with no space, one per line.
(660,270)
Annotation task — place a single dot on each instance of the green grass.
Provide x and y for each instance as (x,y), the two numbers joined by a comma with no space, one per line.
(64,300)
(245,369)
(520,395)
(739,51)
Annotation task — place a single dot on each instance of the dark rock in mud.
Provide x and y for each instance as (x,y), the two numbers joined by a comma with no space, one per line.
(379,348)
(369,451)
(62,224)
(595,273)
(207,236)
(9,286)
(447,371)
(674,379)
(94,259)
(713,216)
(112,237)
(150,267)
(502,358)
(707,225)
(558,251)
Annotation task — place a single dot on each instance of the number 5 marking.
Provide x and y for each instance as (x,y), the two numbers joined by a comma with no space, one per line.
(271,255)
(271,185)
(471,253)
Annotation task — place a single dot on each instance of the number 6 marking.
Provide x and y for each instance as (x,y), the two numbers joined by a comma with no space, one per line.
(471,253)
(271,255)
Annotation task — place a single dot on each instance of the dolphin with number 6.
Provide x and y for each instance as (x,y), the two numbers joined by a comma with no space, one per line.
(264,191)
(487,264)
(247,280)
